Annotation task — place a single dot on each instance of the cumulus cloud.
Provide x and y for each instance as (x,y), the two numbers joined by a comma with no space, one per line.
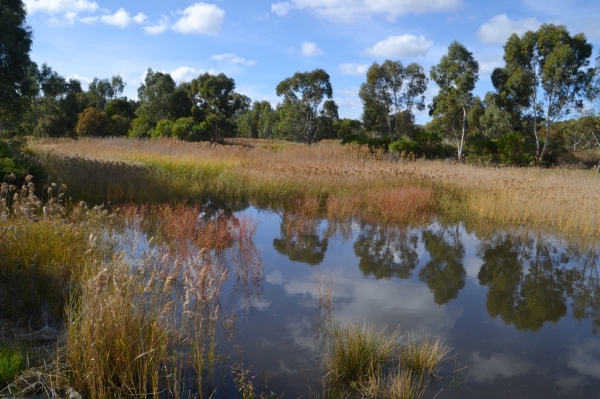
(348,10)
(60,6)
(401,46)
(500,27)
(310,49)
(281,8)
(122,19)
(160,27)
(200,18)
(232,59)
(353,69)
(186,74)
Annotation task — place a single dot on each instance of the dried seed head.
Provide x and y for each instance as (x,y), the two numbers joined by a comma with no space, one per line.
(169,284)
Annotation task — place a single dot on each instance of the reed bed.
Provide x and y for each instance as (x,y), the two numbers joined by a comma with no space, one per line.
(135,325)
(337,181)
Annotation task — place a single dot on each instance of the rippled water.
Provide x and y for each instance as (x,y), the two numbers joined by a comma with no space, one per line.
(519,309)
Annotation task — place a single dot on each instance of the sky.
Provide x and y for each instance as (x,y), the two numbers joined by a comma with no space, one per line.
(259,42)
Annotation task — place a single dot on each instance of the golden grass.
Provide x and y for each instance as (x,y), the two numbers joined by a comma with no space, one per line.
(343,182)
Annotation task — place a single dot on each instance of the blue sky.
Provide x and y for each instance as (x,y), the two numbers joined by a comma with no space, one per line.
(260,43)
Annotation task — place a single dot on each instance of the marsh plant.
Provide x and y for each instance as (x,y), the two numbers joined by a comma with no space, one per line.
(377,364)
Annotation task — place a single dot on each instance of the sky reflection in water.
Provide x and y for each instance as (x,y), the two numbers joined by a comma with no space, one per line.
(520,309)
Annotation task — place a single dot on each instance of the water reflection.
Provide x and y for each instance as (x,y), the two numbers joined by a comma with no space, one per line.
(531,278)
(300,240)
(444,273)
(526,298)
(386,252)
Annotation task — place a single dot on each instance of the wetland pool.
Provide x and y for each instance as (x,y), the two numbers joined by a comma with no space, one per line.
(520,309)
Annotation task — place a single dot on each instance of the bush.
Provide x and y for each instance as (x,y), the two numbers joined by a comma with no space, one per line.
(481,150)
(373,142)
(425,143)
(14,158)
(93,123)
(513,149)
(164,128)
(140,127)
(119,125)
(51,125)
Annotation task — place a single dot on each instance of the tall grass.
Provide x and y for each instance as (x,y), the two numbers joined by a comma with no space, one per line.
(376,364)
(343,182)
(148,328)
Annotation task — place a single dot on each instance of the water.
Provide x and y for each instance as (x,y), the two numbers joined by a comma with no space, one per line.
(519,309)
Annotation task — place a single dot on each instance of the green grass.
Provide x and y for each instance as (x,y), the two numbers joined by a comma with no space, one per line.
(357,350)
(11,364)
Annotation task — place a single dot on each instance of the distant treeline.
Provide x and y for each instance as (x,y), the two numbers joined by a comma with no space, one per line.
(546,102)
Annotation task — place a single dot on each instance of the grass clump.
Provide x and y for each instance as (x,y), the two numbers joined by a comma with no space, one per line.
(424,356)
(11,364)
(357,350)
(375,363)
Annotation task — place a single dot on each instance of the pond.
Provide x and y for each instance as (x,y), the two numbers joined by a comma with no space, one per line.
(520,309)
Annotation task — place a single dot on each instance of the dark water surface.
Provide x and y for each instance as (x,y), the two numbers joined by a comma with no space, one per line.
(519,309)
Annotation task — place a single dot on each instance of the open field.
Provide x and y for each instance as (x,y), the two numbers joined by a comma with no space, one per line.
(328,179)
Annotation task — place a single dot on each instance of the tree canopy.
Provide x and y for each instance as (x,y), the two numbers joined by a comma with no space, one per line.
(15,45)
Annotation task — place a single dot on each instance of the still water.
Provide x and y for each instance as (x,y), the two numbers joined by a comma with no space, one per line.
(520,309)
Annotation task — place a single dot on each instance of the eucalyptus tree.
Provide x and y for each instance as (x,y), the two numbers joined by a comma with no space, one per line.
(15,45)
(102,91)
(391,91)
(215,103)
(456,75)
(306,99)
(544,77)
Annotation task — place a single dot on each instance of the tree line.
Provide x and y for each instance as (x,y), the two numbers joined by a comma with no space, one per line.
(545,101)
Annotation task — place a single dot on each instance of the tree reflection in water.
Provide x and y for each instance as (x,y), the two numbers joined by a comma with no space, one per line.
(386,252)
(531,277)
(444,273)
(300,240)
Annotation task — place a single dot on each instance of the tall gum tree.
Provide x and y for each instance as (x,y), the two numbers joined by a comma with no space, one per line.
(456,75)
(306,97)
(392,89)
(545,77)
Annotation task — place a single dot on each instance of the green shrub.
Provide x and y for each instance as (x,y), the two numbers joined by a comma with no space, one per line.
(164,128)
(404,145)
(140,127)
(513,149)
(372,142)
(481,150)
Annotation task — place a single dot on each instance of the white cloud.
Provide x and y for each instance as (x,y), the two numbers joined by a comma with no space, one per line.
(401,46)
(186,74)
(310,49)
(281,8)
(232,59)
(500,27)
(89,20)
(497,365)
(60,6)
(354,69)
(348,10)
(82,79)
(163,25)
(122,19)
(200,18)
